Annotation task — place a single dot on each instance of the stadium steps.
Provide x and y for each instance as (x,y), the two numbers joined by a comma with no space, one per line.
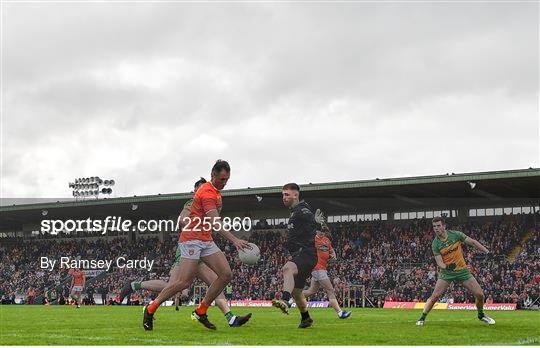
(519,246)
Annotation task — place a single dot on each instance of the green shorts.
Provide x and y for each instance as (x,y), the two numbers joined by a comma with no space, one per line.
(455,276)
(177,258)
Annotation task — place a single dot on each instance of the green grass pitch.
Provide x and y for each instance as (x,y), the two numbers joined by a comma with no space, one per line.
(66,325)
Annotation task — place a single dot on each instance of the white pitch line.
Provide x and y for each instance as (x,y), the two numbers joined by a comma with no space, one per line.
(347,323)
(138,339)
(527,340)
(92,338)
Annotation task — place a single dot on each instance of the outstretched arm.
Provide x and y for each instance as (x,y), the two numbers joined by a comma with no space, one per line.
(476,244)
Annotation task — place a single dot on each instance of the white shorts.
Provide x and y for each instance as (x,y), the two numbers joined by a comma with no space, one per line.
(77,288)
(319,275)
(195,249)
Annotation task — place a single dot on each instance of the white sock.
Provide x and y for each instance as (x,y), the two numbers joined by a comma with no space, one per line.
(339,313)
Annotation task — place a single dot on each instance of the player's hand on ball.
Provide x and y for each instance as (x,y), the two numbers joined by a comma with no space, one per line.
(250,255)
(240,244)
(451,267)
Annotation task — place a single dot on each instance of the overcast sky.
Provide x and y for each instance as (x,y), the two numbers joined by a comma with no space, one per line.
(151,94)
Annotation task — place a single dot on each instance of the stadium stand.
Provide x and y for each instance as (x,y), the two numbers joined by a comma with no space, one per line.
(392,259)
(385,247)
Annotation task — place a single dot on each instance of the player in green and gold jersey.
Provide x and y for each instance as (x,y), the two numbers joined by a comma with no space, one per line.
(452,267)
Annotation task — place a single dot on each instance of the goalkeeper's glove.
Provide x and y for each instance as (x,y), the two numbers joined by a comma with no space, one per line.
(451,267)
(319,217)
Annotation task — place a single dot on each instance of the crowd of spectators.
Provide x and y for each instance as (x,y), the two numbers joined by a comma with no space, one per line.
(391,259)
(395,259)
(22,272)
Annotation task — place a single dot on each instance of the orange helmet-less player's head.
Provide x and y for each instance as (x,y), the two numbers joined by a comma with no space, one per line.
(221,172)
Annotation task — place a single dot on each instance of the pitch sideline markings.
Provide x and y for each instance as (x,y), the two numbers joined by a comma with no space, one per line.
(104,338)
(527,340)
(91,338)
(523,341)
(350,322)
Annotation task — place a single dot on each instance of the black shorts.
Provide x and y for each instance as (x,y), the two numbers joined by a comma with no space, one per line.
(305,261)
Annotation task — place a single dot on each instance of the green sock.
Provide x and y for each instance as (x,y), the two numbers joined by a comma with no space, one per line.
(480,313)
(423,317)
(136,285)
(229,315)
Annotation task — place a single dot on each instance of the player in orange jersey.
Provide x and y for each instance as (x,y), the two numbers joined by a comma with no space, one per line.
(196,243)
(319,275)
(77,285)
(204,273)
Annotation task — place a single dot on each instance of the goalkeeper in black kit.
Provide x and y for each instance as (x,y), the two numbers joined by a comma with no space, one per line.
(301,245)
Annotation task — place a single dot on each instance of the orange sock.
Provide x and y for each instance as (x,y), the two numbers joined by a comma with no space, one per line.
(152,307)
(203,307)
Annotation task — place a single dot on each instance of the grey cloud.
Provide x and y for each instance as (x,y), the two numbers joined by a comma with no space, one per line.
(152,94)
